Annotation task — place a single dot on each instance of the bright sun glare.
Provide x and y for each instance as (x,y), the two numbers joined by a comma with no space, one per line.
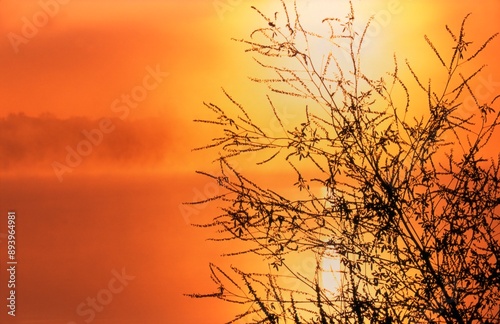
(331,275)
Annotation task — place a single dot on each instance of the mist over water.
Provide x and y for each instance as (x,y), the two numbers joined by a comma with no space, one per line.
(72,235)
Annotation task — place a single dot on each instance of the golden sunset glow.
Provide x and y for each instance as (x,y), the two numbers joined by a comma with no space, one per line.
(97,103)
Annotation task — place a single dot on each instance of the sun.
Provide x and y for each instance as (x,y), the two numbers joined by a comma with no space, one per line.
(331,274)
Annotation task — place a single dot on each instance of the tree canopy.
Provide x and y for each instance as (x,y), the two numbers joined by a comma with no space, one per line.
(392,180)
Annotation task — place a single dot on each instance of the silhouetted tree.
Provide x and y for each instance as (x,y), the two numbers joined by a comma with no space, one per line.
(392,180)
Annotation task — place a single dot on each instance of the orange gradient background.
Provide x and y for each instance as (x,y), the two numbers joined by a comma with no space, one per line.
(120,207)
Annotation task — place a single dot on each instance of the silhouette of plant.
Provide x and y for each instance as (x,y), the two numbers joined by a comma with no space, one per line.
(404,194)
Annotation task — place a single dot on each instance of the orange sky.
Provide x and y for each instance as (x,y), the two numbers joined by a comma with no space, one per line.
(119,206)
